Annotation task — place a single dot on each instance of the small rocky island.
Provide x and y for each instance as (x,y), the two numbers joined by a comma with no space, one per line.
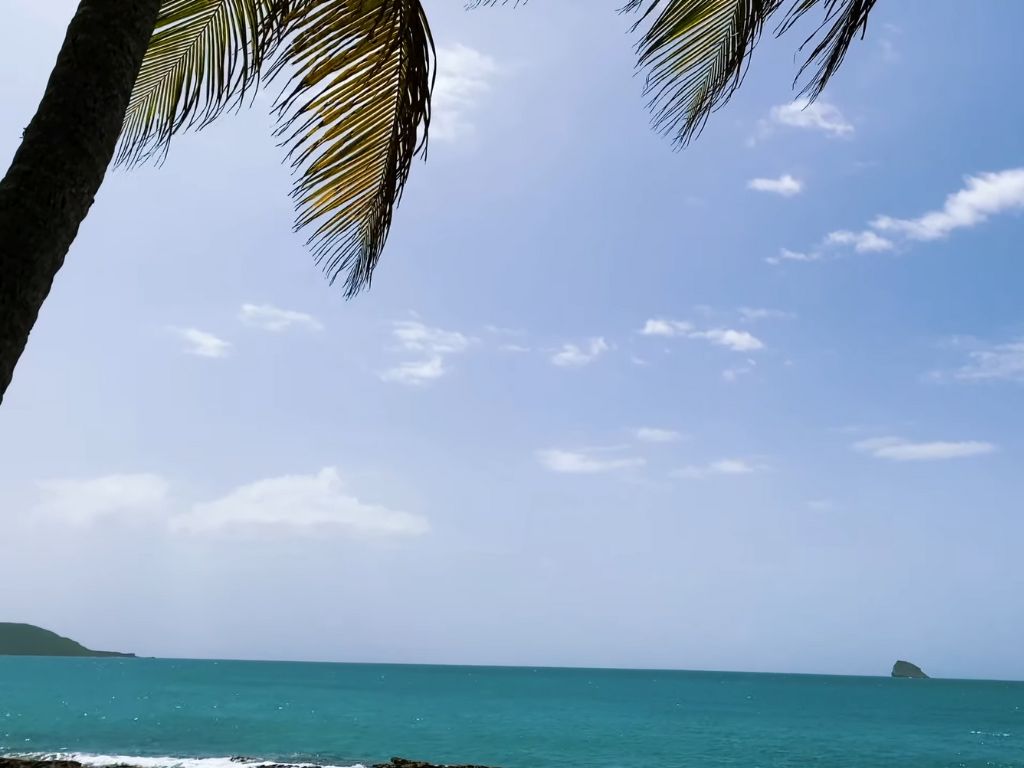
(906,669)
(29,640)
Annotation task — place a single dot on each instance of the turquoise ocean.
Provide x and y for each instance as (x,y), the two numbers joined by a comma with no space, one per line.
(197,714)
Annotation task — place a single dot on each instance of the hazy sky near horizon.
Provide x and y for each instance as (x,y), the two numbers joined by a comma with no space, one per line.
(753,405)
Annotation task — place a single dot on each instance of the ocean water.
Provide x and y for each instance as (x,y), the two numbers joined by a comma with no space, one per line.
(160,713)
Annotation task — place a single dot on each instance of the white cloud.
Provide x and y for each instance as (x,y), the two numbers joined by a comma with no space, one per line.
(202,343)
(418,337)
(732,374)
(463,78)
(753,314)
(435,343)
(579,463)
(666,327)
(785,185)
(271,318)
(84,501)
(298,502)
(983,196)
(514,348)
(657,435)
(498,330)
(737,341)
(898,449)
(415,372)
(865,241)
(818,115)
(720,467)
(573,356)
(787,255)
(998,362)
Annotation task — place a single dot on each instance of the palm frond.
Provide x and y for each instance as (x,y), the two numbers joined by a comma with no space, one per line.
(695,53)
(203,58)
(845,20)
(354,114)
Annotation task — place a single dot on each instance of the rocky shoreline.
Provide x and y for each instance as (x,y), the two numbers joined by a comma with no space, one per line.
(395,762)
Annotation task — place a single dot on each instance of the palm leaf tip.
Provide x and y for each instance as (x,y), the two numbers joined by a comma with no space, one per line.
(695,52)
(203,58)
(844,22)
(354,113)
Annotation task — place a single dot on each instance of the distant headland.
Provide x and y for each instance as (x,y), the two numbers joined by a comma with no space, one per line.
(906,669)
(29,640)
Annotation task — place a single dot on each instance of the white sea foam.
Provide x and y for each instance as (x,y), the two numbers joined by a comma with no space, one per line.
(138,761)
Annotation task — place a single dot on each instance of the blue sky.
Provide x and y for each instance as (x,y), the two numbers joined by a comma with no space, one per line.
(753,405)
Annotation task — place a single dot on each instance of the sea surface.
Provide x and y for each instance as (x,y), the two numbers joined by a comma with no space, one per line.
(196,714)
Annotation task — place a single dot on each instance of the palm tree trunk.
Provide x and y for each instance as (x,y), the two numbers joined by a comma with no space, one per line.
(63,157)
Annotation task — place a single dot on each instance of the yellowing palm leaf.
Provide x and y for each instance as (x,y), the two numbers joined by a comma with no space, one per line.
(203,57)
(353,114)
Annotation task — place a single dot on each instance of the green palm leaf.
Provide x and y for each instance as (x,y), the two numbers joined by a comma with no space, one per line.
(203,58)
(351,116)
(846,20)
(696,52)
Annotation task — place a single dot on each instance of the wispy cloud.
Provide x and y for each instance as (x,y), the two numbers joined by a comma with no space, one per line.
(804,114)
(657,435)
(415,372)
(720,467)
(271,318)
(464,77)
(735,372)
(756,314)
(585,463)
(784,185)
(434,345)
(737,341)
(982,197)
(864,241)
(898,449)
(787,255)
(576,356)
(821,505)
(995,362)
(813,115)
(419,337)
(299,503)
(665,327)
(498,330)
(86,501)
(202,343)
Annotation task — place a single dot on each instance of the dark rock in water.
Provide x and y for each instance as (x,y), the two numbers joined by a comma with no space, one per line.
(401,762)
(906,669)
(13,762)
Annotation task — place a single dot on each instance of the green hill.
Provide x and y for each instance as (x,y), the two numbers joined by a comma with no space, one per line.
(27,640)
